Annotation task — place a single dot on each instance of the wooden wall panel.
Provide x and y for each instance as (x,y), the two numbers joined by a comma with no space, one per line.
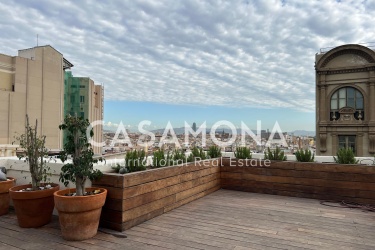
(136,197)
(352,183)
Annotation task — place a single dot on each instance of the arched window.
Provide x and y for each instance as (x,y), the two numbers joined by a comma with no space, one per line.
(347,97)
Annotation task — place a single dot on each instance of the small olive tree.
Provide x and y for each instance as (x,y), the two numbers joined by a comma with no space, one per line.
(77,145)
(35,153)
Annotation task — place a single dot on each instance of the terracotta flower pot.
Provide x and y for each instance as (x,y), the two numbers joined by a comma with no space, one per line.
(79,215)
(4,194)
(33,208)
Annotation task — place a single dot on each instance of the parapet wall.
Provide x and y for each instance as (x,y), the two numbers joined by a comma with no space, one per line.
(324,181)
(136,197)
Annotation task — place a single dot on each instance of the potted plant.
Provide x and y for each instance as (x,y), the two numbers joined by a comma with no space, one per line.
(345,156)
(34,202)
(196,154)
(79,208)
(5,184)
(304,155)
(276,155)
(243,153)
(214,152)
(160,159)
(135,160)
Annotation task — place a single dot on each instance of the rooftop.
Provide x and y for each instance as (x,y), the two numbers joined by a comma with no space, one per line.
(370,45)
(224,219)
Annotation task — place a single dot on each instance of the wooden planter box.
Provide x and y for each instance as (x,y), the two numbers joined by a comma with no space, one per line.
(352,183)
(136,197)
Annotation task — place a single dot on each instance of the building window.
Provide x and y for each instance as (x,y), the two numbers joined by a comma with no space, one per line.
(83,114)
(82,86)
(82,99)
(347,97)
(347,141)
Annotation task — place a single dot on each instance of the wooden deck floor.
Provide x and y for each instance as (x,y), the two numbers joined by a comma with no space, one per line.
(223,220)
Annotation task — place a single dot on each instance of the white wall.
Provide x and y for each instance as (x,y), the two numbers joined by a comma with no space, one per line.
(19,169)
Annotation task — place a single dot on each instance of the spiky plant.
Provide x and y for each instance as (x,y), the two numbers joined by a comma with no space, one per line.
(304,155)
(277,154)
(196,153)
(345,156)
(242,153)
(160,159)
(178,157)
(214,151)
(135,160)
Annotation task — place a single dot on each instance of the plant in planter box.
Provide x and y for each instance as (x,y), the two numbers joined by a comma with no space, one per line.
(277,154)
(79,208)
(214,151)
(178,157)
(304,155)
(5,184)
(135,161)
(243,153)
(160,159)
(34,202)
(345,156)
(196,154)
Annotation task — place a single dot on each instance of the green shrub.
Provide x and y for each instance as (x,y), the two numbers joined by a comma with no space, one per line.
(178,157)
(242,153)
(160,159)
(214,151)
(196,153)
(345,156)
(304,155)
(277,154)
(135,160)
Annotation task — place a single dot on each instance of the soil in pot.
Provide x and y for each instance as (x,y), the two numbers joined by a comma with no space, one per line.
(4,194)
(79,215)
(33,208)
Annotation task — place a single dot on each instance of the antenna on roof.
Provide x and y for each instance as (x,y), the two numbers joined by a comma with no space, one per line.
(37,40)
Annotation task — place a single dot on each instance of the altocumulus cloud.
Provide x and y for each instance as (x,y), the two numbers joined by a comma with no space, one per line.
(232,53)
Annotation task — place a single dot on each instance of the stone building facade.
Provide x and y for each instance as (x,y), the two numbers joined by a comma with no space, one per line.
(345,100)
(32,83)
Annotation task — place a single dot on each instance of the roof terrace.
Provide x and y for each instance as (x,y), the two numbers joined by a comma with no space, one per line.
(224,219)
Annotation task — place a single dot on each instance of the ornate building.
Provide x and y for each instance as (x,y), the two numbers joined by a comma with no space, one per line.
(345,100)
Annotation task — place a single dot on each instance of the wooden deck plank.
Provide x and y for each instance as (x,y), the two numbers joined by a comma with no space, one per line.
(224,219)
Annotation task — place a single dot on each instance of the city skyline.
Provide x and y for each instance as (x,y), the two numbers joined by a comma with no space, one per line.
(211,115)
(193,61)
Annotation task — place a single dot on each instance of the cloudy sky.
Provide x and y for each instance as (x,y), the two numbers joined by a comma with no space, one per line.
(194,60)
